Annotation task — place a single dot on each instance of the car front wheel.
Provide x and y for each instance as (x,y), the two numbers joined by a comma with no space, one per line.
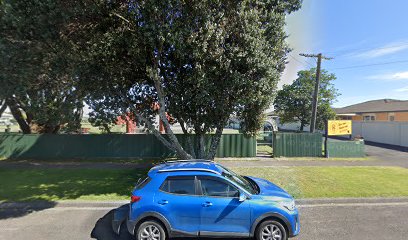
(151,230)
(271,230)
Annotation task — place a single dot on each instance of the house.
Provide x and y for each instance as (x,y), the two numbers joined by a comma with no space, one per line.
(382,110)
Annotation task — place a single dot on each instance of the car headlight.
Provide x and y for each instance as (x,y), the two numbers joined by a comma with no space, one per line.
(290,205)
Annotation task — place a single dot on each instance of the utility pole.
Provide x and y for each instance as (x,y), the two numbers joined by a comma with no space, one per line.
(316,90)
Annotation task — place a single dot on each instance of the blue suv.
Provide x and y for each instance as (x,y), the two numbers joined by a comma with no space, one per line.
(202,198)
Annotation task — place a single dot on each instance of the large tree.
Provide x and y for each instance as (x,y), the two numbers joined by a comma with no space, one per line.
(200,61)
(37,63)
(294,102)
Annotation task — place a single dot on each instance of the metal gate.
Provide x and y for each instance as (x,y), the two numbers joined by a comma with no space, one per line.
(264,144)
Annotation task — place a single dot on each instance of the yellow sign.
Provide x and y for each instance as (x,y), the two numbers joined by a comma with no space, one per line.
(339,127)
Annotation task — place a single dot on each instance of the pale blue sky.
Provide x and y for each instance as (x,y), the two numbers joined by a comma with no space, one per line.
(355,33)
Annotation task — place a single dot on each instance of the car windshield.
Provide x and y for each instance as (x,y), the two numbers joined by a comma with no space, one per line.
(239,180)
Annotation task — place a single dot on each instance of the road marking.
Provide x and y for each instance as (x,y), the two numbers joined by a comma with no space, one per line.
(353,204)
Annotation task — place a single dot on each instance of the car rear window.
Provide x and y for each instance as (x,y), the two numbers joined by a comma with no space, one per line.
(142,183)
(179,185)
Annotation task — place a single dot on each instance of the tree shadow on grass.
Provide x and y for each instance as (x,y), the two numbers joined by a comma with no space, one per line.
(51,185)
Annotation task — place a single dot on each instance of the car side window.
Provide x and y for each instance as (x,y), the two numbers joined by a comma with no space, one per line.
(217,188)
(179,185)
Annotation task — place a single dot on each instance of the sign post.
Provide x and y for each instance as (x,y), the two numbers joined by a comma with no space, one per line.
(336,128)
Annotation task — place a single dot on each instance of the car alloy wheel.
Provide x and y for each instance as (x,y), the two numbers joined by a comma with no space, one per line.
(150,230)
(271,232)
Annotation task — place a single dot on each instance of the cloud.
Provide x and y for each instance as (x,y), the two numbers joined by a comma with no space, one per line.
(382,51)
(392,76)
(403,89)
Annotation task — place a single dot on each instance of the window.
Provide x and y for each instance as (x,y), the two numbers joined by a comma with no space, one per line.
(239,180)
(216,188)
(369,118)
(143,183)
(391,117)
(179,185)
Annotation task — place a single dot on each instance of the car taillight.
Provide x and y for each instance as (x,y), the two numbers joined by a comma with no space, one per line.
(134,199)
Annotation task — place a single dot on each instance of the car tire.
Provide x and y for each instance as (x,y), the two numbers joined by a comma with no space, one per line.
(271,230)
(150,230)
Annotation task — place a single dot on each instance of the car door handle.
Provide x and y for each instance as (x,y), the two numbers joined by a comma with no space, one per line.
(163,202)
(207,204)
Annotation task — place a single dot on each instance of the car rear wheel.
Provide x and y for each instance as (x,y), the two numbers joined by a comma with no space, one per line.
(151,230)
(271,230)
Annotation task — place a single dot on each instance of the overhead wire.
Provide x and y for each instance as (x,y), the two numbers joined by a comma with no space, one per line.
(372,64)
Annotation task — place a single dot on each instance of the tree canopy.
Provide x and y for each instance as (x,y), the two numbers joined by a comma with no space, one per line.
(37,61)
(201,61)
(196,61)
(294,102)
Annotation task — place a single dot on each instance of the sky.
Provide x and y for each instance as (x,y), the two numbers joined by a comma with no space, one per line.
(368,40)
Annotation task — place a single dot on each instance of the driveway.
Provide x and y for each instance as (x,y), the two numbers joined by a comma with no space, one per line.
(320,219)
(378,156)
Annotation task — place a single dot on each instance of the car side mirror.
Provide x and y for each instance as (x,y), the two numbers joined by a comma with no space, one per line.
(242,197)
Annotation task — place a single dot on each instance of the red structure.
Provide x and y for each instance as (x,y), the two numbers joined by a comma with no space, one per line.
(130,124)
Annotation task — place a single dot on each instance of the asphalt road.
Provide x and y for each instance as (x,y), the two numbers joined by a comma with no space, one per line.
(320,220)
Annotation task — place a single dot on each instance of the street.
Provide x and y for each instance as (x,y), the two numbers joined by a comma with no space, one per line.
(347,219)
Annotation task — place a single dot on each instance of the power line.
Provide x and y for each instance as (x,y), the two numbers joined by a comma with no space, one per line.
(368,65)
(304,63)
(366,49)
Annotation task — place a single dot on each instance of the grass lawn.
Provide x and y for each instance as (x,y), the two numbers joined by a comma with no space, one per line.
(332,182)
(264,149)
(116,184)
(67,184)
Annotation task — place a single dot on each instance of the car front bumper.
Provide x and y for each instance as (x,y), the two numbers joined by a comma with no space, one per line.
(295,224)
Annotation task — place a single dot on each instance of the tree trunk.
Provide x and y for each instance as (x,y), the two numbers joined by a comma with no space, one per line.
(24,126)
(188,139)
(215,141)
(56,129)
(168,143)
(173,141)
(3,107)
(200,145)
(302,125)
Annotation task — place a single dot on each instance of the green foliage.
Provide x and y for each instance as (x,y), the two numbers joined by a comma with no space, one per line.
(294,102)
(37,63)
(200,60)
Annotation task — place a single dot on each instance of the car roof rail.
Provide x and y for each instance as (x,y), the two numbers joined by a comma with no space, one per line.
(189,169)
(188,160)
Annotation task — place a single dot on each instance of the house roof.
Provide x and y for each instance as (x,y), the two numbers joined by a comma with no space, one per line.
(381,105)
